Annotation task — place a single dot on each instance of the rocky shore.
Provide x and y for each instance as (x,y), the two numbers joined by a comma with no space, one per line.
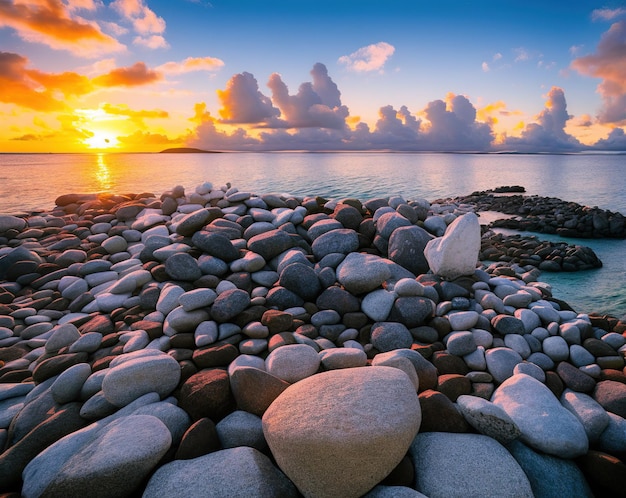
(534,213)
(227,343)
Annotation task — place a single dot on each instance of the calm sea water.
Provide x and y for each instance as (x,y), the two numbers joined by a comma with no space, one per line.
(31,182)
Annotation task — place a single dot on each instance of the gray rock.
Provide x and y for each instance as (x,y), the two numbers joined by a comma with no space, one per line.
(360,273)
(292,362)
(426,371)
(389,222)
(215,244)
(613,438)
(556,348)
(341,240)
(461,343)
(406,248)
(229,304)
(501,361)
(62,336)
(241,428)
(333,440)
(550,476)
(301,279)
(387,336)
(139,375)
(545,424)
(270,244)
(183,266)
(68,384)
(100,460)
(377,304)
(237,472)
(588,411)
(343,358)
(488,419)
(481,467)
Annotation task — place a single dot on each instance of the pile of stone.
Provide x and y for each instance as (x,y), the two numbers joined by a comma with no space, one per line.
(223,343)
(531,251)
(548,215)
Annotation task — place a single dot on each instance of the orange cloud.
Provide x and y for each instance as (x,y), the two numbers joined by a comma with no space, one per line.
(16,87)
(137,74)
(123,110)
(609,64)
(146,138)
(192,64)
(53,23)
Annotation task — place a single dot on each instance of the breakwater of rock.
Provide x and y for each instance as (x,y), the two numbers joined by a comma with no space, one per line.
(547,214)
(224,343)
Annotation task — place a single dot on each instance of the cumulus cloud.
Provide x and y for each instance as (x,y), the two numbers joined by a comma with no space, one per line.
(370,58)
(453,126)
(316,105)
(243,103)
(135,75)
(609,64)
(615,141)
(548,133)
(191,64)
(58,26)
(146,23)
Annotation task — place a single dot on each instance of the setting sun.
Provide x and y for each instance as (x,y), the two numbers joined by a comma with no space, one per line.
(101,140)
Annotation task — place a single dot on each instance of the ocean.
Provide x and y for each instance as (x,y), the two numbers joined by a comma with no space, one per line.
(31,182)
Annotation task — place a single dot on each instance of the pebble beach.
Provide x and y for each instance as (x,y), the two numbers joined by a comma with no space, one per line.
(214,342)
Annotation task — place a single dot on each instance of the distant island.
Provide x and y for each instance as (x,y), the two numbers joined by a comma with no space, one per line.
(187,150)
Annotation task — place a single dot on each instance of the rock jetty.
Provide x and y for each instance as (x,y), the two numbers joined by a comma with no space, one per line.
(534,213)
(220,342)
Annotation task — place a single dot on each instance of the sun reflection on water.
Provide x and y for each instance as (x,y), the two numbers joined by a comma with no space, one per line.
(103,174)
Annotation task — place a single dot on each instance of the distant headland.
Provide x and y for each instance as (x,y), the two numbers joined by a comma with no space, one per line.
(187,150)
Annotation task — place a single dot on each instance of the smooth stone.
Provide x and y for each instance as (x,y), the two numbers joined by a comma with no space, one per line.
(197,298)
(518,343)
(175,419)
(381,491)
(488,418)
(62,336)
(215,244)
(506,324)
(482,467)
(300,279)
(377,304)
(333,440)
(241,428)
(463,320)
(387,336)
(456,253)
(255,389)
(207,393)
(612,396)
(137,376)
(613,438)
(361,273)
(461,343)
(501,361)
(293,362)
(115,457)
(531,369)
(183,266)
(406,248)
(270,244)
(229,304)
(549,475)
(343,358)
(529,318)
(68,385)
(426,371)
(200,439)
(556,348)
(233,472)
(545,424)
(589,412)
(340,240)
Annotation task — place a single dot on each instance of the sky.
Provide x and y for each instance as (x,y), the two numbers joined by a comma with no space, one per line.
(244,75)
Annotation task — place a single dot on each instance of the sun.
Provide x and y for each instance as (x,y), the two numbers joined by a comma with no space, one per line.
(101,140)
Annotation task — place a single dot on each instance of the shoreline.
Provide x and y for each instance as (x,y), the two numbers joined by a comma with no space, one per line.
(235,299)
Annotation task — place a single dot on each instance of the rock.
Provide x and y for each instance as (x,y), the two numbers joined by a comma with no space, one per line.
(199,439)
(381,491)
(99,461)
(412,311)
(387,336)
(488,418)
(406,248)
(137,375)
(233,472)
(241,428)
(545,424)
(588,411)
(215,244)
(613,438)
(426,371)
(501,362)
(343,358)
(481,467)
(340,240)
(331,439)
(207,394)
(68,384)
(302,280)
(456,253)
(255,390)
(549,475)
(182,266)
(377,304)
(605,473)
(360,273)
(612,396)
(439,413)
(270,244)
(293,362)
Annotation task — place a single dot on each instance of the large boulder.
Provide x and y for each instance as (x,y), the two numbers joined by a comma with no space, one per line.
(545,424)
(456,253)
(339,433)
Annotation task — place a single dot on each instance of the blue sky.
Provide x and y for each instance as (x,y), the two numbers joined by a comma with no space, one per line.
(519,66)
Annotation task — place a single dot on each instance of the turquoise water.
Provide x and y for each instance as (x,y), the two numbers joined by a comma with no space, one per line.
(32,182)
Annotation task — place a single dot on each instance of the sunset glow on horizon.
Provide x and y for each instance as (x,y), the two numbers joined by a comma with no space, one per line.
(147,75)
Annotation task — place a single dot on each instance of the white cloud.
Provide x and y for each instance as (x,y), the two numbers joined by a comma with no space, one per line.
(485,67)
(146,23)
(607,14)
(369,58)
(242,102)
(522,54)
(615,141)
(191,64)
